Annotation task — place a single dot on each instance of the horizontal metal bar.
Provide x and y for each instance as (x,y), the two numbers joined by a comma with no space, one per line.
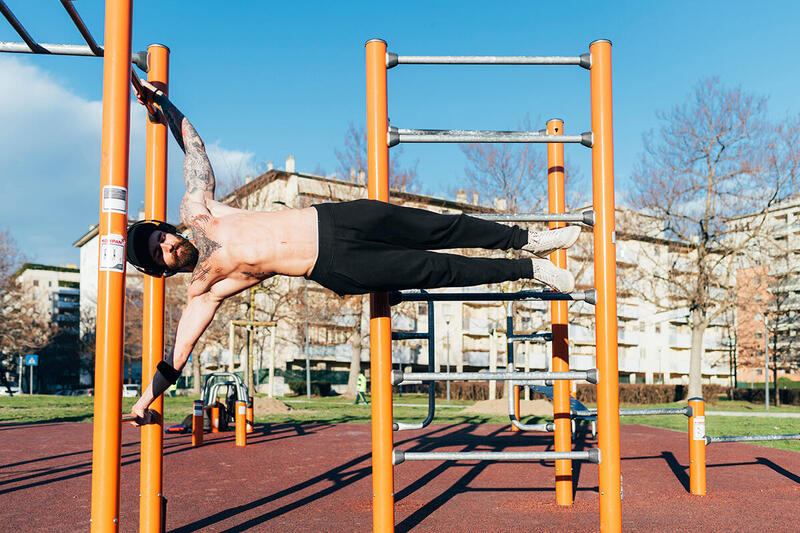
(409,335)
(546,427)
(586,217)
(395,297)
(399,456)
(525,337)
(583,60)
(76,19)
(399,377)
(400,135)
(751,438)
(685,411)
(30,42)
(46,48)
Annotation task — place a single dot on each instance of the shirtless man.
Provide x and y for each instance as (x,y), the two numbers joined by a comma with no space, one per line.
(349,247)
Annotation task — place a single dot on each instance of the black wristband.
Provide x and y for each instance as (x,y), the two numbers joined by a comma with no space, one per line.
(168,372)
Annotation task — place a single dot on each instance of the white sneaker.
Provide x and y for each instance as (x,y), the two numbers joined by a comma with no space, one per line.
(558,279)
(541,243)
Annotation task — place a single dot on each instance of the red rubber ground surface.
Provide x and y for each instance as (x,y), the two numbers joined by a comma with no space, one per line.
(316,477)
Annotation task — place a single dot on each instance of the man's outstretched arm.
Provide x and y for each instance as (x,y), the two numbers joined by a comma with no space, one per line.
(195,319)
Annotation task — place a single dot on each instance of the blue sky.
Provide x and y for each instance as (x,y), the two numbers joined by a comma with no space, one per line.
(263,80)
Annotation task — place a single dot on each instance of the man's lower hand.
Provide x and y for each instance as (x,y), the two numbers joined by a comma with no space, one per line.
(143,416)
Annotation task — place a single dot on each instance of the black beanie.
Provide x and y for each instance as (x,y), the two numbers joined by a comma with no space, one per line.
(138,252)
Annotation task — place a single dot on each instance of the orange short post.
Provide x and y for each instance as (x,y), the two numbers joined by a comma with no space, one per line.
(380,312)
(558,313)
(697,447)
(250,413)
(197,423)
(215,417)
(241,423)
(516,406)
(113,219)
(605,280)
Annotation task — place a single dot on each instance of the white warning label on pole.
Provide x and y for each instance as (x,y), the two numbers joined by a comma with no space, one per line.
(115,199)
(112,253)
(699,428)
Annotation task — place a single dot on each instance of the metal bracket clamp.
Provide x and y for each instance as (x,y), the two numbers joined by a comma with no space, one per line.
(140,60)
(588,217)
(587,139)
(391,60)
(393,137)
(592,375)
(586,61)
(398,456)
(590,296)
(397,377)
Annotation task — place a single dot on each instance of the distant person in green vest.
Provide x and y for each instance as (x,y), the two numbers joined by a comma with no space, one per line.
(362,388)
(173,389)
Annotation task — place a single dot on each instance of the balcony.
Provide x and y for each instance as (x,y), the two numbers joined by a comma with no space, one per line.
(477,326)
(628,337)
(681,341)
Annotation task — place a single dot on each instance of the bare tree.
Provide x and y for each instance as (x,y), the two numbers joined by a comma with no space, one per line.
(515,175)
(22,327)
(353,156)
(710,174)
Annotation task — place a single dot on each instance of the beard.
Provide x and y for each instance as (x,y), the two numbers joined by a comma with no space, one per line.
(186,255)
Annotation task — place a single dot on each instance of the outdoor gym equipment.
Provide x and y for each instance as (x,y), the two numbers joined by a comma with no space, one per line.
(380,136)
(117,76)
(698,440)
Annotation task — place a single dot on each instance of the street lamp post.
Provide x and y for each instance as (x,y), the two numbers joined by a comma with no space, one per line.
(447,318)
(766,365)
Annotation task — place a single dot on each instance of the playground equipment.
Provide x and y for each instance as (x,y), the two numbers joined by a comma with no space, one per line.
(117,75)
(698,440)
(232,389)
(380,137)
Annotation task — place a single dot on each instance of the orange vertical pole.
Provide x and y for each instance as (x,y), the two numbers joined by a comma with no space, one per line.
(558,314)
(106,441)
(215,417)
(197,423)
(380,312)
(250,414)
(241,423)
(155,207)
(516,406)
(605,279)
(697,447)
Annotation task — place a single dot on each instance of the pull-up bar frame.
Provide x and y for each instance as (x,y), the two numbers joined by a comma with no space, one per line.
(598,60)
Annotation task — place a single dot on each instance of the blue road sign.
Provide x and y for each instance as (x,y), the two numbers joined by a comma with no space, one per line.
(31,360)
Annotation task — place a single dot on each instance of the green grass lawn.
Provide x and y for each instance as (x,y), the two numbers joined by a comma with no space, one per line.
(29,409)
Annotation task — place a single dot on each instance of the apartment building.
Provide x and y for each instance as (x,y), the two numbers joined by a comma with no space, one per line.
(654,341)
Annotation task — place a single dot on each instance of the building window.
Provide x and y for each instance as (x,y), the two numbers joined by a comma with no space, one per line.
(36,283)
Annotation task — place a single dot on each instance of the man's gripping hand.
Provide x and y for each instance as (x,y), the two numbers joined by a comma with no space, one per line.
(143,416)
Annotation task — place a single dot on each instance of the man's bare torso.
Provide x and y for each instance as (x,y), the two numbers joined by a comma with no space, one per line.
(245,247)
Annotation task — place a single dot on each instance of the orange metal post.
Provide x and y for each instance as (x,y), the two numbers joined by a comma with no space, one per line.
(106,444)
(380,312)
(605,279)
(558,314)
(241,423)
(250,414)
(215,417)
(516,407)
(697,447)
(155,207)
(197,423)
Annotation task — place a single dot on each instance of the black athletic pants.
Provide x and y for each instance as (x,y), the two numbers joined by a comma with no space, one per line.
(371,246)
